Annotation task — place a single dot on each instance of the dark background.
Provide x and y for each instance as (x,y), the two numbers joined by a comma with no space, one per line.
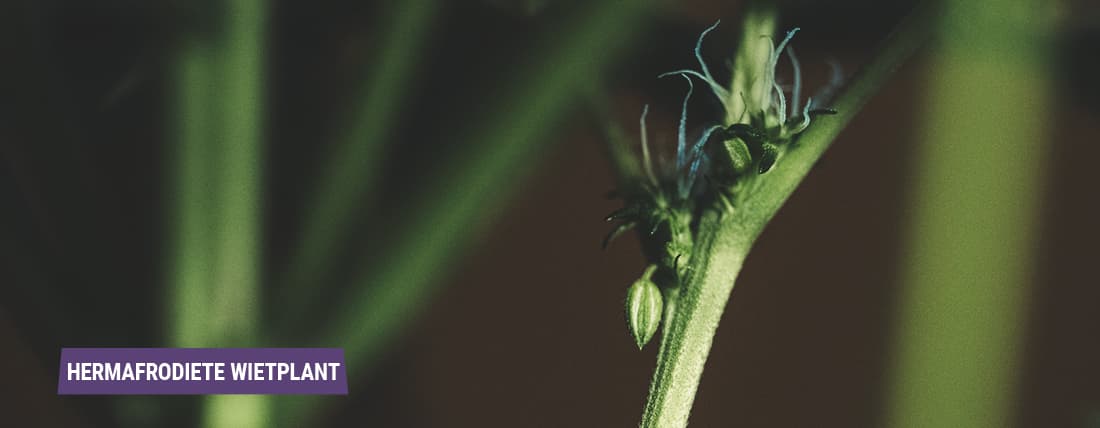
(528,330)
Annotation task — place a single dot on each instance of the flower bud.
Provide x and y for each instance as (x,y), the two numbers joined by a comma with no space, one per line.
(643,308)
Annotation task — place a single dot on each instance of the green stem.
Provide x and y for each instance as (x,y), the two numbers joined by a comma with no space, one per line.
(753,53)
(699,307)
(965,284)
(235,313)
(215,293)
(724,238)
(190,257)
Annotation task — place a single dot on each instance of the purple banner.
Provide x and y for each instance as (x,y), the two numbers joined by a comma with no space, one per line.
(192,371)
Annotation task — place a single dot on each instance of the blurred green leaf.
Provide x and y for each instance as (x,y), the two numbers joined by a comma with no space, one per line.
(349,179)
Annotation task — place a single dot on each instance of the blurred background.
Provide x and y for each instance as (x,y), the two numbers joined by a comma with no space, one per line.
(461,267)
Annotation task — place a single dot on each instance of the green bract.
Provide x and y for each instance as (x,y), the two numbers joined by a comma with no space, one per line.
(643,308)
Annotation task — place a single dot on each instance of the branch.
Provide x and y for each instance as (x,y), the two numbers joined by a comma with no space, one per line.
(725,237)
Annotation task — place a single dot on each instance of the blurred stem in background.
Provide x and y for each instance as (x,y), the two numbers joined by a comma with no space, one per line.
(190,258)
(215,266)
(349,178)
(974,208)
(447,214)
(619,147)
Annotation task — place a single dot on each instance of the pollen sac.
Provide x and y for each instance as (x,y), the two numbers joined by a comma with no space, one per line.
(739,157)
(768,154)
(643,308)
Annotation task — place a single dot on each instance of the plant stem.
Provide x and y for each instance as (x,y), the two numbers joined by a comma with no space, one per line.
(724,238)
(963,303)
(699,307)
(753,52)
(215,294)
(190,257)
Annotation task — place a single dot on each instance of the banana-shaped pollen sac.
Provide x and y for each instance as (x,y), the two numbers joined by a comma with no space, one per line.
(643,308)
(740,158)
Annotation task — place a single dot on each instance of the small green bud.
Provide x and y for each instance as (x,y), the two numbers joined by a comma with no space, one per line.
(740,158)
(643,308)
(768,154)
